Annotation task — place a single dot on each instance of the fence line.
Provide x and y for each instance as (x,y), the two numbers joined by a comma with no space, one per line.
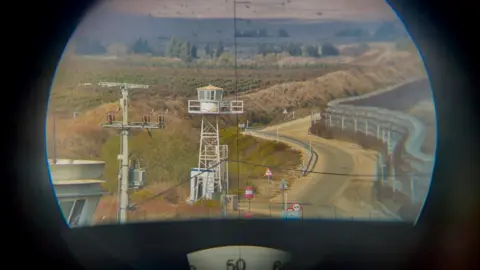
(378,122)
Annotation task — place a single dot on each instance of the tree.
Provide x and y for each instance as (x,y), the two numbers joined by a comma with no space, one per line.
(141,47)
(208,50)
(89,46)
(292,49)
(117,49)
(185,52)
(262,32)
(172,49)
(310,51)
(282,33)
(226,59)
(352,32)
(305,51)
(220,49)
(193,51)
(329,50)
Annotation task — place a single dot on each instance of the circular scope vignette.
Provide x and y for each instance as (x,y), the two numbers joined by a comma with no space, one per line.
(177,110)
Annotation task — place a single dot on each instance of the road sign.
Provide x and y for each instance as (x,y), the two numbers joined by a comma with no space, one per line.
(249,192)
(268,172)
(290,214)
(285,111)
(296,207)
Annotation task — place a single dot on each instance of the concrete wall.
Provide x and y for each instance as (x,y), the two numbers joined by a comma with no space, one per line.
(74,189)
(79,169)
(79,180)
(88,211)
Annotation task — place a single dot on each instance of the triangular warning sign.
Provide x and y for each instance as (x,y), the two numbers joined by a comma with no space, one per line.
(268,172)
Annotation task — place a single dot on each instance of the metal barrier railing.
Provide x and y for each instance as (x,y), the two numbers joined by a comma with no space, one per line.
(313,157)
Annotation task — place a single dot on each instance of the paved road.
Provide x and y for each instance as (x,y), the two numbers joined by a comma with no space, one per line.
(318,192)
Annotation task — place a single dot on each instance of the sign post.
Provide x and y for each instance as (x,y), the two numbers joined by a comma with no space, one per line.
(249,195)
(293,212)
(283,188)
(268,174)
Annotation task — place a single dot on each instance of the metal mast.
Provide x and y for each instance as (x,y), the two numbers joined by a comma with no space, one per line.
(125,127)
(211,175)
(209,151)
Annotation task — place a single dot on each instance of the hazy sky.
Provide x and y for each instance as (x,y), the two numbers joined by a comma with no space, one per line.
(300,9)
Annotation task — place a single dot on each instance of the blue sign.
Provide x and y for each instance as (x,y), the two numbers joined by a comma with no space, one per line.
(291,215)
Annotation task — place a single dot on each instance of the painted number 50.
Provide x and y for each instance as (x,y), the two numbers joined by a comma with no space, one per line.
(240,264)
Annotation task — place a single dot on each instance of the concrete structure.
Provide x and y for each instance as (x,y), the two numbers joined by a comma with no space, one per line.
(78,188)
(212,175)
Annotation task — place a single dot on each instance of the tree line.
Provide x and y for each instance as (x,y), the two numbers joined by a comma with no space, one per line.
(187,51)
(299,49)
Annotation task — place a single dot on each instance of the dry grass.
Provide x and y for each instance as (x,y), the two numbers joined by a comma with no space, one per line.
(383,69)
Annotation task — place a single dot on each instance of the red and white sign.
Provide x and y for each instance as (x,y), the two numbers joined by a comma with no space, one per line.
(249,192)
(296,207)
(268,172)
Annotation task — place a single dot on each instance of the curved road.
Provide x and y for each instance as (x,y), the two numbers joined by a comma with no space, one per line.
(329,195)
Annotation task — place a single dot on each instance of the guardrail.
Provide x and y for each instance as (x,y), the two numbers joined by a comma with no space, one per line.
(376,122)
(312,159)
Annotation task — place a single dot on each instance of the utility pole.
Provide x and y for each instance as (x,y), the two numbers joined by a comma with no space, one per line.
(392,163)
(224,203)
(283,187)
(125,126)
(366,127)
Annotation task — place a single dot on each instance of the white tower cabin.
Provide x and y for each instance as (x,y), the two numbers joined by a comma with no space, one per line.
(211,175)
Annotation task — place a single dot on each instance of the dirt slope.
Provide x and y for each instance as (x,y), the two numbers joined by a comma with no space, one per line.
(376,70)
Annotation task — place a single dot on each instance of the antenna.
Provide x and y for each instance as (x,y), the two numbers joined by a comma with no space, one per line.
(125,126)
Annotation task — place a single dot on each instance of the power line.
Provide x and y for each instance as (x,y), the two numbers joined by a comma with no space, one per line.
(318,172)
(264,166)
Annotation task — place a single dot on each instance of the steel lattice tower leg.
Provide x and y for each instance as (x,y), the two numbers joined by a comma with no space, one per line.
(209,158)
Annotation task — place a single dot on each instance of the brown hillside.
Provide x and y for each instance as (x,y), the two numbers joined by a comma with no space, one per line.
(377,70)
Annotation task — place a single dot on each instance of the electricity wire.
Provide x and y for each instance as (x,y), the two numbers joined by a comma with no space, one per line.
(279,168)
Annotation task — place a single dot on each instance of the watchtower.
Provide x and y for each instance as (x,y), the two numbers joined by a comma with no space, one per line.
(211,175)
